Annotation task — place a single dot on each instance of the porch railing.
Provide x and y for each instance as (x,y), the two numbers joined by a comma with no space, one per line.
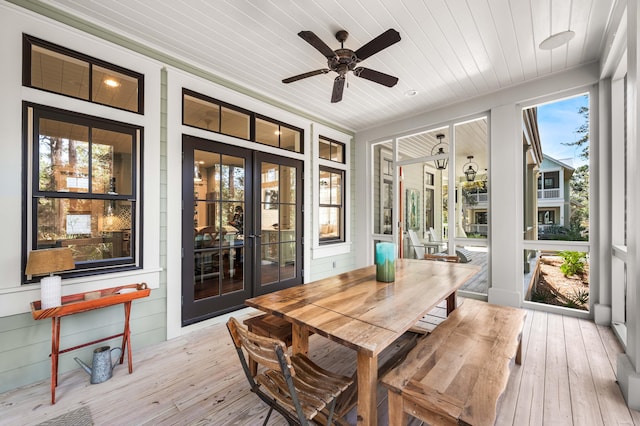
(549,193)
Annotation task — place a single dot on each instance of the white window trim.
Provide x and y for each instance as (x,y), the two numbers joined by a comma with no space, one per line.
(319,251)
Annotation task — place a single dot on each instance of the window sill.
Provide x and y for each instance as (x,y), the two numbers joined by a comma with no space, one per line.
(329,250)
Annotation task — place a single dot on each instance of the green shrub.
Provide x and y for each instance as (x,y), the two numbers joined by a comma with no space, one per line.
(573,262)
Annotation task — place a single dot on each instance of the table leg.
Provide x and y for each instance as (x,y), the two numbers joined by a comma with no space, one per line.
(55,349)
(451,303)
(126,337)
(367,370)
(299,339)
(397,416)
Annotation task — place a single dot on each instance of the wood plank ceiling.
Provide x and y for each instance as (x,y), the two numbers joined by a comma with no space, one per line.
(451,50)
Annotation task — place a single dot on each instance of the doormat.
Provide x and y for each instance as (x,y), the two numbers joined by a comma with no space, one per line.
(78,417)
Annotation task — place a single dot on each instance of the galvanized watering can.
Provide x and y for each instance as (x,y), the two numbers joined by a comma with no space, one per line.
(102,365)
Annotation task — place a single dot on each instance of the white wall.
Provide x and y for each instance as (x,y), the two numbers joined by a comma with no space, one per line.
(13,23)
(25,343)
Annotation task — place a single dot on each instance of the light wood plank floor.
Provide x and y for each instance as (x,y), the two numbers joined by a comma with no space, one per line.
(567,378)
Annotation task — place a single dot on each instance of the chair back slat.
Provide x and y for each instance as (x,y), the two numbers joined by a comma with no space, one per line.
(261,349)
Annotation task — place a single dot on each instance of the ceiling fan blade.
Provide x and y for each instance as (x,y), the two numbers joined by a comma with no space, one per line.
(305,75)
(383,41)
(315,41)
(376,76)
(338,88)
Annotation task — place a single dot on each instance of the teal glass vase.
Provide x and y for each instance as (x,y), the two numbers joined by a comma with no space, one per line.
(386,262)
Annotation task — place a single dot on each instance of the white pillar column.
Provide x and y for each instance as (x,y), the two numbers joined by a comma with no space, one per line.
(627,366)
(506,190)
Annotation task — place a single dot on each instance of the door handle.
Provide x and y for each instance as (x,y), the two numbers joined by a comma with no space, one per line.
(254,236)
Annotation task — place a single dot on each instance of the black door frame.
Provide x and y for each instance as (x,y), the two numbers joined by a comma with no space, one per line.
(198,310)
(194,311)
(259,158)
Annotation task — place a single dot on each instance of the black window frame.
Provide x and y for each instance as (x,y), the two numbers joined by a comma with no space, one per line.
(32,193)
(252,120)
(28,41)
(341,238)
(333,143)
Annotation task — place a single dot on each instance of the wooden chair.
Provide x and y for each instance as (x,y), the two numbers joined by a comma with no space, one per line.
(268,325)
(292,385)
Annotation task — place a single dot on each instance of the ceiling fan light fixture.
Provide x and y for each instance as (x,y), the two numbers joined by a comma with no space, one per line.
(557,40)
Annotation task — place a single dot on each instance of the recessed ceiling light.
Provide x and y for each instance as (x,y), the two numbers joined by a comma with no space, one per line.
(557,40)
(111,82)
(411,92)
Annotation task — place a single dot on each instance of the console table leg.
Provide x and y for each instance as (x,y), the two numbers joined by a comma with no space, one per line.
(55,348)
(126,337)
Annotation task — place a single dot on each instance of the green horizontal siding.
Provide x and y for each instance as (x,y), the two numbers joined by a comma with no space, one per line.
(26,343)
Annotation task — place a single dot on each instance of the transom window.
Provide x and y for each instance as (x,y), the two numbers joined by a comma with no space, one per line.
(331,150)
(210,114)
(82,191)
(55,69)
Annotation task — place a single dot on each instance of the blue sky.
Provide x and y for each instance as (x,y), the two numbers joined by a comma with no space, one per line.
(557,123)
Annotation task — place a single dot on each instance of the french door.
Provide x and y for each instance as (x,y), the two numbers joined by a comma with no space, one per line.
(278,221)
(241,226)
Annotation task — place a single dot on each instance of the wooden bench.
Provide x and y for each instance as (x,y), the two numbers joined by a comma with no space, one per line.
(456,374)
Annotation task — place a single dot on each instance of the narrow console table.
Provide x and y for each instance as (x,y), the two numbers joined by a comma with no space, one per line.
(83,302)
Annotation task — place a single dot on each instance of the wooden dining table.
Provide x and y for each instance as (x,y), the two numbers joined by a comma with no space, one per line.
(366,315)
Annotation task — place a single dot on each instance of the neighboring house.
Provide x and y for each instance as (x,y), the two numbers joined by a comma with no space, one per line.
(554,205)
(475,208)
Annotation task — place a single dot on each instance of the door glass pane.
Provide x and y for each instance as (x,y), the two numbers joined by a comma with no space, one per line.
(218,224)
(288,186)
(278,222)
(383,188)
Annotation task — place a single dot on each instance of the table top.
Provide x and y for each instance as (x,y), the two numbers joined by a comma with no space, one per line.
(362,313)
(82,302)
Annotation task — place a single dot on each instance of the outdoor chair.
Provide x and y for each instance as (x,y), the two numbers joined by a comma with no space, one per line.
(292,385)
(417,245)
(442,258)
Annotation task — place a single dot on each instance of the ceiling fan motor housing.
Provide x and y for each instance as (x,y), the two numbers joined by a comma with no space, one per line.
(345,60)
